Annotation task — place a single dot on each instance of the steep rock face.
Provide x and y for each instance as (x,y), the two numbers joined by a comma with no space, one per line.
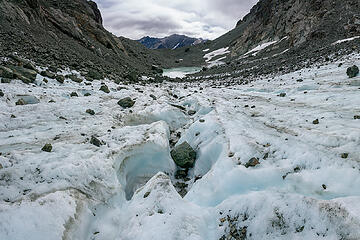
(68,33)
(299,20)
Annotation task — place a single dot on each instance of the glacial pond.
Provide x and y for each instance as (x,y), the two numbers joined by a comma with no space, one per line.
(180,72)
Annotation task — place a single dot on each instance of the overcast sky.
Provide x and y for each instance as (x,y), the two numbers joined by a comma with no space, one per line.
(158,18)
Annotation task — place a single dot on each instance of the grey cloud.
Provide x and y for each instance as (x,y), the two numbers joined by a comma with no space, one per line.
(198,18)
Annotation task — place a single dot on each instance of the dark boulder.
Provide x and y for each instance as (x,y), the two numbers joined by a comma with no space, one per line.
(252,162)
(184,155)
(47,148)
(95,141)
(352,71)
(104,88)
(60,78)
(126,102)
(47,74)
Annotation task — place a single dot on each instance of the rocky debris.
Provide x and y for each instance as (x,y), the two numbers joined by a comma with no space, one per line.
(324,186)
(132,76)
(252,162)
(126,102)
(90,111)
(6,72)
(316,121)
(74,94)
(5,80)
(60,79)
(47,147)
(75,78)
(184,155)
(104,88)
(282,94)
(95,141)
(233,231)
(87,94)
(18,72)
(1,93)
(94,75)
(47,74)
(344,155)
(202,120)
(20,102)
(30,66)
(352,71)
(231,154)
(181,188)
(357,117)
(181,174)
(156,69)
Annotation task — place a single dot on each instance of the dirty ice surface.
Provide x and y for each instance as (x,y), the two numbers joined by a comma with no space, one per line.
(304,187)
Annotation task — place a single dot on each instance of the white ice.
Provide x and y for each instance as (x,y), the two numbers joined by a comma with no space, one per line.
(123,190)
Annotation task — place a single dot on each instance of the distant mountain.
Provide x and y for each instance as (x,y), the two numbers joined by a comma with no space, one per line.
(171,42)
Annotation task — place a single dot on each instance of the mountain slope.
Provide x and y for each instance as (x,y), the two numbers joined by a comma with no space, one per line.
(290,34)
(171,42)
(67,33)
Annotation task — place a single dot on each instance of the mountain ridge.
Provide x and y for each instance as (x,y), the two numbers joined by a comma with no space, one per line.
(173,41)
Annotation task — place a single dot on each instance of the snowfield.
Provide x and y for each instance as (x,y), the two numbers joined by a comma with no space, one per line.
(300,127)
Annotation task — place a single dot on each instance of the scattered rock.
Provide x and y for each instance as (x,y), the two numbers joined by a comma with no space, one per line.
(1,93)
(324,186)
(191,112)
(95,141)
(202,120)
(179,107)
(87,94)
(104,88)
(126,102)
(74,78)
(357,117)
(252,162)
(316,121)
(352,71)
(184,155)
(47,147)
(74,94)
(146,194)
(344,155)
(60,78)
(20,102)
(90,111)
(153,97)
(47,74)
(231,154)
(282,94)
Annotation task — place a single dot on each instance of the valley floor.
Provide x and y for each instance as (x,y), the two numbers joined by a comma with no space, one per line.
(301,127)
